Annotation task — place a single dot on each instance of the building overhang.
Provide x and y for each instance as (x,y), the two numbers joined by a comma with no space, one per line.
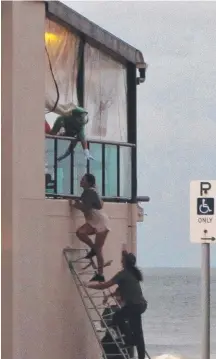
(97,36)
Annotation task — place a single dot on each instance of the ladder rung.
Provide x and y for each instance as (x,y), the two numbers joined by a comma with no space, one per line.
(101,330)
(98,291)
(86,296)
(96,320)
(118,350)
(114,328)
(95,306)
(112,343)
(96,296)
(69,249)
(86,272)
(107,315)
(116,337)
(113,354)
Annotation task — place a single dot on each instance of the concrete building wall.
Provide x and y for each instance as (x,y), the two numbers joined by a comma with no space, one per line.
(23,179)
(6,213)
(42,315)
(63,306)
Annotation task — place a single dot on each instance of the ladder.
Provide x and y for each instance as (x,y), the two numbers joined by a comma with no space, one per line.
(93,308)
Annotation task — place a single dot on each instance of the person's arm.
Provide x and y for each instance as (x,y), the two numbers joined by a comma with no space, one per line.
(85,202)
(89,198)
(84,144)
(110,295)
(106,297)
(68,151)
(102,203)
(66,154)
(76,204)
(79,205)
(96,200)
(82,138)
(104,285)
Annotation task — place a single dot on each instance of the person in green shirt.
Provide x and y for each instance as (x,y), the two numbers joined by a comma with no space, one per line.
(72,125)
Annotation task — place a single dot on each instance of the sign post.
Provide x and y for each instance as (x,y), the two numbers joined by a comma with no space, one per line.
(205,300)
(203,230)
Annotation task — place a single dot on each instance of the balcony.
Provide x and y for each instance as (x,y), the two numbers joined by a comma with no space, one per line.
(112,168)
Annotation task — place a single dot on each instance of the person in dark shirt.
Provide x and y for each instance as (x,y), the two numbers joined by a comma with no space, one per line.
(97,222)
(128,281)
(109,345)
(72,125)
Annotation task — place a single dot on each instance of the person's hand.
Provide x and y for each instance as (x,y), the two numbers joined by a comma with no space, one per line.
(70,203)
(105,299)
(108,263)
(60,158)
(61,132)
(87,155)
(124,248)
(85,284)
(77,203)
(89,285)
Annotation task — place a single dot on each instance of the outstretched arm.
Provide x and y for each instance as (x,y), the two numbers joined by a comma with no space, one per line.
(103,285)
(82,138)
(68,151)
(84,144)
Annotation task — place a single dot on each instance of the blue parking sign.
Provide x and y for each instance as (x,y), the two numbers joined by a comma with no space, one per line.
(205,206)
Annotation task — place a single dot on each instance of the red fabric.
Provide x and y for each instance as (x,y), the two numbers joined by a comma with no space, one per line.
(47,127)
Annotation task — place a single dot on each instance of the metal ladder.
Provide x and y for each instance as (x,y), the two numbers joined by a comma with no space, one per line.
(91,306)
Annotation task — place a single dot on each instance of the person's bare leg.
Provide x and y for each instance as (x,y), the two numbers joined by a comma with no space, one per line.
(99,243)
(83,234)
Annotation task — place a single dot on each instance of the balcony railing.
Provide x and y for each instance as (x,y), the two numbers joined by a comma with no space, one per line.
(112,167)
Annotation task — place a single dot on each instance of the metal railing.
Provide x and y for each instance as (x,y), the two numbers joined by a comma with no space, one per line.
(112,167)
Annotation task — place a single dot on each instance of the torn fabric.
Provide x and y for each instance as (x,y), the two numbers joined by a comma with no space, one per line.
(61,61)
(105,96)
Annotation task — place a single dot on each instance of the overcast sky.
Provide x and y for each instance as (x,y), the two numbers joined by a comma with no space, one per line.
(176,114)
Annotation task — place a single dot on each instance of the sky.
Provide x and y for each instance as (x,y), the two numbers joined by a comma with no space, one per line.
(176,115)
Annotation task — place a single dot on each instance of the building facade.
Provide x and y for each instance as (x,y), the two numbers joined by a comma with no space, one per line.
(54,59)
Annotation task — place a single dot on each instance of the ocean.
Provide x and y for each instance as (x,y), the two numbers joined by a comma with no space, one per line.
(172,322)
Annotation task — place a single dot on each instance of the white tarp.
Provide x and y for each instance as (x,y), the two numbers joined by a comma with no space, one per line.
(105,96)
(61,61)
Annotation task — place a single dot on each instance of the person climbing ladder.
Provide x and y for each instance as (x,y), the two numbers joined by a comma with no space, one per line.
(97,222)
(128,281)
(107,341)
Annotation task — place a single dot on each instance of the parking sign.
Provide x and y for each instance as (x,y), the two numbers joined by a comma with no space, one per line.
(202,211)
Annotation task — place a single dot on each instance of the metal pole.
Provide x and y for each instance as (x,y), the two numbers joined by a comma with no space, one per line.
(205,298)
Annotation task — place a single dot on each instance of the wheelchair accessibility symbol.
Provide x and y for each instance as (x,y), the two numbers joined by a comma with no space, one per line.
(205,206)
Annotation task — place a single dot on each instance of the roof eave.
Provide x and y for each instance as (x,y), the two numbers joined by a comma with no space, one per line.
(91,31)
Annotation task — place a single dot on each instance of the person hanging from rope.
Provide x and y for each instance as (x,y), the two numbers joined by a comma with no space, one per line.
(97,222)
(128,281)
(72,125)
